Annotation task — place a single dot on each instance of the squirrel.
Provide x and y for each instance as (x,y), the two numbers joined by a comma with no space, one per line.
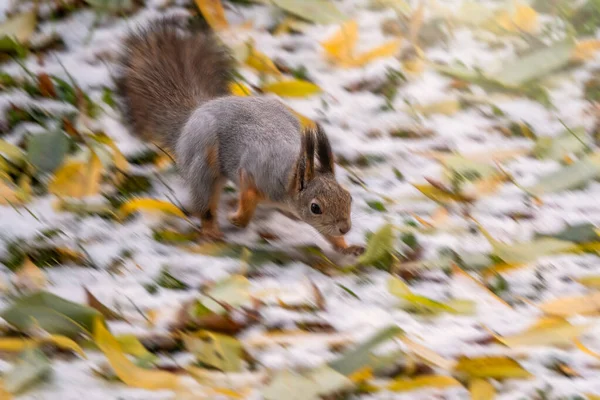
(173,85)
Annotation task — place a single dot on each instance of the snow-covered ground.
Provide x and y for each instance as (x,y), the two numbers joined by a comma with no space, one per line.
(358,122)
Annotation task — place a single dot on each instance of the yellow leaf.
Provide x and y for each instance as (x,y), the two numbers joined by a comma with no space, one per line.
(420,382)
(592,282)
(30,276)
(495,367)
(501,268)
(8,193)
(149,205)
(16,344)
(585,49)
(213,13)
(428,355)
(524,18)
(77,179)
(456,270)
(261,62)
(416,22)
(94,175)
(388,49)
(363,374)
(439,195)
(585,349)
(126,370)
(65,343)
(577,305)
(592,396)
(292,88)
(554,332)
(446,107)
(340,46)
(481,390)
(131,345)
(239,89)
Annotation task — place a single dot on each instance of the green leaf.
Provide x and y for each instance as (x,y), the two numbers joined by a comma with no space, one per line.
(468,169)
(361,356)
(31,367)
(376,205)
(46,151)
(535,65)
(380,246)
(233,291)
(111,5)
(557,148)
(317,11)
(581,233)
(15,32)
(574,176)
(12,153)
(51,313)
(168,281)
(530,251)
(423,304)
(214,350)
(312,385)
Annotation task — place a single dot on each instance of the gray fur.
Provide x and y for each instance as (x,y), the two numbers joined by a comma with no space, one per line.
(257,134)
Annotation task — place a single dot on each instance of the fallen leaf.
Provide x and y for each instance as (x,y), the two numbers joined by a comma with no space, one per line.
(573,176)
(379,247)
(535,65)
(340,46)
(416,23)
(588,304)
(233,291)
(93,302)
(401,290)
(261,62)
(8,192)
(239,89)
(580,233)
(317,11)
(556,148)
(441,196)
(214,350)
(30,276)
(585,49)
(558,333)
(521,253)
(361,356)
(46,151)
(446,107)
(387,49)
(292,88)
(494,367)
(64,343)
(422,382)
(213,13)
(585,349)
(311,385)
(126,370)
(131,345)
(592,281)
(46,86)
(523,19)
(31,367)
(428,355)
(12,153)
(50,313)
(481,389)
(17,31)
(149,205)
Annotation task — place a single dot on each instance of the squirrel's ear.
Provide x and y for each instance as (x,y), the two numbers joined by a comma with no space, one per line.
(308,151)
(324,152)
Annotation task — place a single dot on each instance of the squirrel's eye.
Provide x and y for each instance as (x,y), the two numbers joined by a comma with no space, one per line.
(315,209)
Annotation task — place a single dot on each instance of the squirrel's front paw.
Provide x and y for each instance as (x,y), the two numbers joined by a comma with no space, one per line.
(212,234)
(354,250)
(238,220)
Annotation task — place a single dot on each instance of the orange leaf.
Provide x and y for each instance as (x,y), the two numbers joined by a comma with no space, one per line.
(213,12)
(340,46)
(388,49)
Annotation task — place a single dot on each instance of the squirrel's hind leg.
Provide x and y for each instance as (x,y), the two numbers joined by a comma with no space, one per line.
(249,197)
(206,192)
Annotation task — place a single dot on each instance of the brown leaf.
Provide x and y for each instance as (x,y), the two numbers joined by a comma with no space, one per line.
(93,302)
(319,299)
(46,86)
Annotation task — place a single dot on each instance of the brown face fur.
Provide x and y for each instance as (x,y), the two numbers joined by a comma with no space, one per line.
(320,200)
(325,205)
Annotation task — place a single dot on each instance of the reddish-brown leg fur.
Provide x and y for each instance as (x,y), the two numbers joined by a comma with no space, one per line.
(249,198)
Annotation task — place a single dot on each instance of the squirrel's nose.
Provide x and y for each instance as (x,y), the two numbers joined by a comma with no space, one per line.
(345,227)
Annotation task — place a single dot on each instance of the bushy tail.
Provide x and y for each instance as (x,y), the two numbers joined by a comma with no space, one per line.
(166,71)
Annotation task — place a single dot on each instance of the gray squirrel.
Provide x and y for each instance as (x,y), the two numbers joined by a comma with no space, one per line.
(173,85)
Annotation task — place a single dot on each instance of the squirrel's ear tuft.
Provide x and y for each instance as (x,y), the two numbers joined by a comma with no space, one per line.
(308,151)
(324,152)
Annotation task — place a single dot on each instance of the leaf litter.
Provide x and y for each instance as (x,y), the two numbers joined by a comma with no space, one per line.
(330,339)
